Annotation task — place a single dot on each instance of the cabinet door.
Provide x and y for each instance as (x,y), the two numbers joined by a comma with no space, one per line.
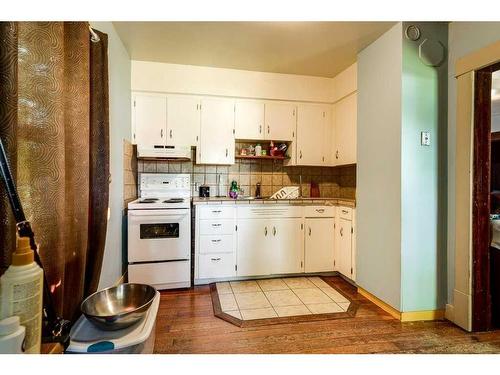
(329,144)
(183,120)
(280,121)
(287,245)
(344,247)
(319,244)
(216,132)
(345,128)
(310,134)
(249,119)
(253,247)
(150,119)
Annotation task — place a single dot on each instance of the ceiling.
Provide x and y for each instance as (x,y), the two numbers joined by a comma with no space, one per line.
(308,48)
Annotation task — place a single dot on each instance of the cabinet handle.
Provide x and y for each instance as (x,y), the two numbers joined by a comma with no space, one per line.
(214,259)
(226,152)
(300,156)
(337,155)
(170,133)
(216,211)
(267,129)
(320,210)
(216,225)
(265,231)
(161,133)
(260,129)
(341,232)
(274,231)
(309,231)
(345,211)
(215,241)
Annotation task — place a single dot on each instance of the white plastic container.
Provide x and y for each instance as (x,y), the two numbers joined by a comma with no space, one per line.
(21,294)
(137,339)
(11,336)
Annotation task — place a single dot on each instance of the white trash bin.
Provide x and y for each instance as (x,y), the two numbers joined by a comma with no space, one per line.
(137,339)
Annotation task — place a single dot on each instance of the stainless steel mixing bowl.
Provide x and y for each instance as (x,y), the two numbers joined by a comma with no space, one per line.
(118,307)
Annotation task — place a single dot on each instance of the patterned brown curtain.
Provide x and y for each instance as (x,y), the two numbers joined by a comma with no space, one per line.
(51,148)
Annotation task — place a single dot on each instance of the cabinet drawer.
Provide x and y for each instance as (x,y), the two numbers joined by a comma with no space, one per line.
(215,266)
(319,211)
(344,212)
(223,226)
(216,244)
(216,212)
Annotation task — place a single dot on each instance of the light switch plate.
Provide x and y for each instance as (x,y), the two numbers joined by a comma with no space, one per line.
(425,138)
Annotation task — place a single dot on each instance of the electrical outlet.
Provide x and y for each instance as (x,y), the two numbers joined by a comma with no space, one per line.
(425,138)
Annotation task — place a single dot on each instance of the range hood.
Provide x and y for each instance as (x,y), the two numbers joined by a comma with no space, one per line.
(164,152)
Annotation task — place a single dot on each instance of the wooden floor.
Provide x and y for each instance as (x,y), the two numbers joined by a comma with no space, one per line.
(186,324)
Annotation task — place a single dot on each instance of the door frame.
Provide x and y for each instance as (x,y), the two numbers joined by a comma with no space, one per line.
(481,272)
(471,288)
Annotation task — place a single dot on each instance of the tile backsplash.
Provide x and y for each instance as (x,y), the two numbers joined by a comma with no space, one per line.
(129,173)
(272,174)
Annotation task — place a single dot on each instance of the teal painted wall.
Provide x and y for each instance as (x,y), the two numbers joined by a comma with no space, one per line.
(423,174)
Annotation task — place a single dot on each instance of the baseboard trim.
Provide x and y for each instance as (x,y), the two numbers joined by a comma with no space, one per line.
(408,316)
(384,306)
(415,316)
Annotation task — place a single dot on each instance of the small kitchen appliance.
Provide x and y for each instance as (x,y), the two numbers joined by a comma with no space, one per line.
(159,231)
(204,191)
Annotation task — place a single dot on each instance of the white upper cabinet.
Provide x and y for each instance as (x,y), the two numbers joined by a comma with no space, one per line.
(183,120)
(216,144)
(345,130)
(280,121)
(312,123)
(149,119)
(249,119)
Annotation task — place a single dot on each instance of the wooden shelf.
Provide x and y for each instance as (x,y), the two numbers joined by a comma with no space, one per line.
(268,157)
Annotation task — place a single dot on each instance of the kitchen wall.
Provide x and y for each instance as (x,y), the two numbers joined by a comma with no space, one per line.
(129,173)
(119,129)
(273,175)
(463,38)
(378,206)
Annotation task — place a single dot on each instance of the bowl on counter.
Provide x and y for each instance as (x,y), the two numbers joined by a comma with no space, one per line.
(118,307)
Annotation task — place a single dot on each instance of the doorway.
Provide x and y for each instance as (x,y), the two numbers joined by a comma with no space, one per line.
(486,191)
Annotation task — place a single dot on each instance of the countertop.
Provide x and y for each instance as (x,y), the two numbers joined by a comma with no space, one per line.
(298,201)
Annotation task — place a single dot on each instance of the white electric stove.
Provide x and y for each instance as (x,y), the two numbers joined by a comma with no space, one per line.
(159,231)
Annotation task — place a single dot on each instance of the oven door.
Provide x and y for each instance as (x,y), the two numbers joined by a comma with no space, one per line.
(159,235)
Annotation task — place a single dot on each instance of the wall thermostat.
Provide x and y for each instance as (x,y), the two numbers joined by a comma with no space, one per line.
(425,138)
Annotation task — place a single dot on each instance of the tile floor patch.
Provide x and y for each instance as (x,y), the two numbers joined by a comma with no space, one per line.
(279,298)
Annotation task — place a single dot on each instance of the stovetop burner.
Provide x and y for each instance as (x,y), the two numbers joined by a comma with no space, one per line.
(148,200)
(174,200)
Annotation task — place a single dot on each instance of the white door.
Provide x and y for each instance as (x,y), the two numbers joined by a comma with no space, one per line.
(344,246)
(183,120)
(310,134)
(150,118)
(345,129)
(216,131)
(329,143)
(253,247)
(287,245)
(280,121)
(319,244)
(249,120)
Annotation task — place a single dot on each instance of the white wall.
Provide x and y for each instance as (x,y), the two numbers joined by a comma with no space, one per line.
(378,202)
(119,128)
(463,38)
(188,79)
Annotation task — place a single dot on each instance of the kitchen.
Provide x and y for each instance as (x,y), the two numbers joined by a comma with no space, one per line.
(268,194)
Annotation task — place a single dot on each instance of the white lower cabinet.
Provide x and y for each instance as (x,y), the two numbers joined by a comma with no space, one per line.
(258,240)
(287,246)
(319,244)
(345,253)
